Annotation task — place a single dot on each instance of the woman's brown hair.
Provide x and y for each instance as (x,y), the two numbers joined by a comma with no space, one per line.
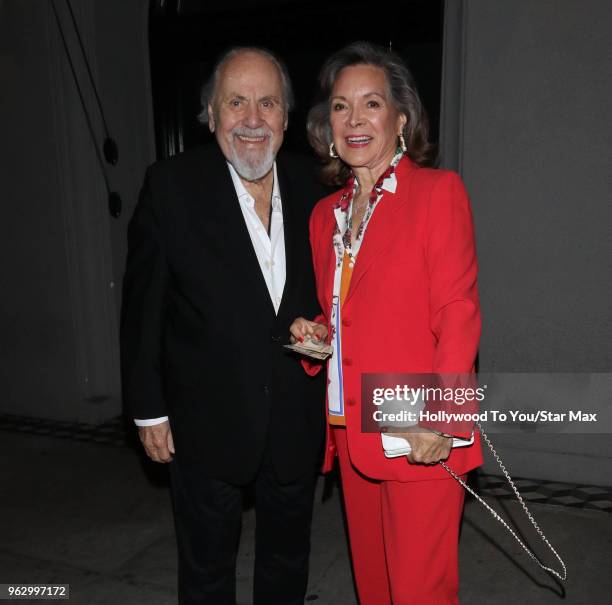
(404,97)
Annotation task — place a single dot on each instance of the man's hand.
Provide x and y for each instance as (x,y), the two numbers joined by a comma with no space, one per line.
(303,328)
(157,441)
(427,447)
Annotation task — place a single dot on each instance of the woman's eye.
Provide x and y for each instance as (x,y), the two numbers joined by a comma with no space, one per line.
(373,104)
(338,106)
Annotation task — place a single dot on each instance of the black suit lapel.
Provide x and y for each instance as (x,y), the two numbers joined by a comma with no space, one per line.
(223,210)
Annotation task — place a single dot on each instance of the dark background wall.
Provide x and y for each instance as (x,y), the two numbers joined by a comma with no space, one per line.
(536,153)
(186,37)
(62,253)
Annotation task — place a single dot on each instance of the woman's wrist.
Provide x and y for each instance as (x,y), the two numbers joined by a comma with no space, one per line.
(441,434)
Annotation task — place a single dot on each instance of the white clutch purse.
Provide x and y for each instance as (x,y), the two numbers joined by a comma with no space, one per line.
(398,446)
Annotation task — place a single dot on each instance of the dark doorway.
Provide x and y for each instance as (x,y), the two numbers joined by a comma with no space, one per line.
(186,37)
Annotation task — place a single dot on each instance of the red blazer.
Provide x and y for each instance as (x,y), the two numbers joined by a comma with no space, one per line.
(412,305)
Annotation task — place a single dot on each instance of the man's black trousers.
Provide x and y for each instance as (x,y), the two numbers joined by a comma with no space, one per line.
(208,515)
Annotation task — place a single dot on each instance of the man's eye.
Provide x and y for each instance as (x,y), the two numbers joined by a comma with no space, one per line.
(267,104)
(235,103)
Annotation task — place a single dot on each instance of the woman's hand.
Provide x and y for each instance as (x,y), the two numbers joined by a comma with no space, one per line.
(427,446)
(303,329)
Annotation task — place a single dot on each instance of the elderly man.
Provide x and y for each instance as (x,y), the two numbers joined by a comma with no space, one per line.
(218,267)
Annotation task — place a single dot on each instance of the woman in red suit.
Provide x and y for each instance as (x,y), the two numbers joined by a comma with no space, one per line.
(395,265)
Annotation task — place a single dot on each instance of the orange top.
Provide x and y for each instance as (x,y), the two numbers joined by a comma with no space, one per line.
(345,282)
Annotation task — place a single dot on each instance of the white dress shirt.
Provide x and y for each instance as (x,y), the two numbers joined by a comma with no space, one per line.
(269,249)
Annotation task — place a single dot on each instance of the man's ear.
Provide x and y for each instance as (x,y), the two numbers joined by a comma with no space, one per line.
(286,122)
(211,118)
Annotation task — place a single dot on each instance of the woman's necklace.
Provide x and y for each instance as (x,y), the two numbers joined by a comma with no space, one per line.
(345,204)
(357,210)
(351,210)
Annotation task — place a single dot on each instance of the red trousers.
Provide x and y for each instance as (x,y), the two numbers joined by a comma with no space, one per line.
(404,536)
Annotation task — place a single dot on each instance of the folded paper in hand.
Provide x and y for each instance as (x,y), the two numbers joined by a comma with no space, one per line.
(311,348)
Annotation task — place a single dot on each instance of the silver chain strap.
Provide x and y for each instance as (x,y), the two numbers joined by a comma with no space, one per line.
(561,576)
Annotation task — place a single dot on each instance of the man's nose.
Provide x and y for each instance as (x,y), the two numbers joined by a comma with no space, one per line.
(253,119)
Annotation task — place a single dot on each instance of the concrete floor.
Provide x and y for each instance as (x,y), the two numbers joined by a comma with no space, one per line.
(99,518)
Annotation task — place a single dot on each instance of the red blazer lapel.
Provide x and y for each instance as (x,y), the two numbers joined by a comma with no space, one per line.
(384,224)
(325,256)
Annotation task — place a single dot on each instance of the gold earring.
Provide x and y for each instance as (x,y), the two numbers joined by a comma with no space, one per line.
(402,142)
(332,151)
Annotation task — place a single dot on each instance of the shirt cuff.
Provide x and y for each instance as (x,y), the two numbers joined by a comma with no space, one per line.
(150,421)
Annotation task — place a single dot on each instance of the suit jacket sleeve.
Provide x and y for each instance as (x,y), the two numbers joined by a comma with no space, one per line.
(313,367)
(451,261)
(454,306)
(143,307)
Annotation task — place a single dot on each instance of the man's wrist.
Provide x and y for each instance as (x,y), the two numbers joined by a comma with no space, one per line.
(150,421)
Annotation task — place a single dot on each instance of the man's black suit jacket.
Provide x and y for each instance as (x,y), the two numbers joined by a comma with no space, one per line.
(200,341)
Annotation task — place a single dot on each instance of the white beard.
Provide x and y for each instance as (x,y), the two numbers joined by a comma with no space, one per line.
(252,166)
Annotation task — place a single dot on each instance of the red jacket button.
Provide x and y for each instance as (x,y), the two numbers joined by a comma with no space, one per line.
(350,401)
(347,361)
(346,322)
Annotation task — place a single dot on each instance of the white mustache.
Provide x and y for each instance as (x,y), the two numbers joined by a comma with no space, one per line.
(242,131)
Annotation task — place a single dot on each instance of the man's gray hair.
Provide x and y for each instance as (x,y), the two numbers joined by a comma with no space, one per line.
(209,88)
